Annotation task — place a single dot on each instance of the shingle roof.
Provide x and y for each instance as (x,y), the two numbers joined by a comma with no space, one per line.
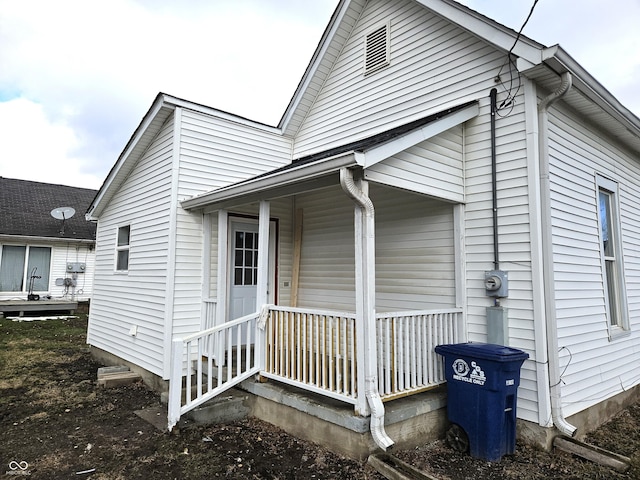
(25,209)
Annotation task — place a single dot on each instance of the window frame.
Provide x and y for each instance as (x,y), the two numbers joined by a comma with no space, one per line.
(122,248)
(26,269)
(611,259)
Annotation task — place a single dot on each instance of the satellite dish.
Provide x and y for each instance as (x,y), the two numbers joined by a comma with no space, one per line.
(63,213)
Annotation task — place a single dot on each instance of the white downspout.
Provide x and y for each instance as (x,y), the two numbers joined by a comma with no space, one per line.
(547,255)
(368,308)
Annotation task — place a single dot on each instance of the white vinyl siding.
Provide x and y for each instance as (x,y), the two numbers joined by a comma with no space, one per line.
(435,66)
(414,251)
(138,298)
(513,236)
(214,152)
(433,167)
(415,255)
(594,367)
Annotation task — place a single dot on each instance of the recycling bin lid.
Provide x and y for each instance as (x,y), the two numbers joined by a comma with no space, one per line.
(487,351)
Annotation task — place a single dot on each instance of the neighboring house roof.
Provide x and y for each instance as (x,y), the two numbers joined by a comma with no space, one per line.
(25,210)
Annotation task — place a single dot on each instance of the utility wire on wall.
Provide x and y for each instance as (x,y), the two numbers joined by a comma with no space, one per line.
(512,90)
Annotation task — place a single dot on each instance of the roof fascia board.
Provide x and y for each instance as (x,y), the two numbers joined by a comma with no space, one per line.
(485,28)
(388,149)
(277,191)
(314,64)
(280,179)
(560,61)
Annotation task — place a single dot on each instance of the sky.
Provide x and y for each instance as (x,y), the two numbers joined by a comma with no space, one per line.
(77,76)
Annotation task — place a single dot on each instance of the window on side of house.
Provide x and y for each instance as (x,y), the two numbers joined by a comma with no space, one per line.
(24,268)
(122,248)
(611,256)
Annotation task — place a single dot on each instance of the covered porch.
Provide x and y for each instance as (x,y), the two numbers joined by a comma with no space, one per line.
(356,282)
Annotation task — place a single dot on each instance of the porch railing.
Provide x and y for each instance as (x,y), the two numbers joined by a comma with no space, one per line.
(315,350)
(407,361)
(209,362)
(312,349)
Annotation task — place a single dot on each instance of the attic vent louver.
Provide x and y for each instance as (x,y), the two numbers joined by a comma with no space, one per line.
(376,49)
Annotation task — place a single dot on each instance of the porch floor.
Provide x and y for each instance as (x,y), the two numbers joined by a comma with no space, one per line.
(409,421)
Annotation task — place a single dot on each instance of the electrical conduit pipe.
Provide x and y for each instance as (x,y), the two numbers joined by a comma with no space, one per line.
(547,250)
(371,390)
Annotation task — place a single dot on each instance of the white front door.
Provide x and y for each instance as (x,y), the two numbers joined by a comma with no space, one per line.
(243,269)
(243,266)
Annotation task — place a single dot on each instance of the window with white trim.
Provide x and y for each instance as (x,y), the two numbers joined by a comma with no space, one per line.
(611,256)
(24,268)
(122,248)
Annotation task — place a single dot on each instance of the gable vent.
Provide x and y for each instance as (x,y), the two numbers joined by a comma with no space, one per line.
(376,49)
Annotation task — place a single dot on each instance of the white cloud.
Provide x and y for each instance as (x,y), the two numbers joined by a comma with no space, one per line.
(93,67)
(49,157)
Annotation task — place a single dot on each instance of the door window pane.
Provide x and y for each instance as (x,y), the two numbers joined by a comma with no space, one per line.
(245,258)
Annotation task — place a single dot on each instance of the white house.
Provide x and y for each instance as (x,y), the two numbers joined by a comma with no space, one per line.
(47,247)
(425,146)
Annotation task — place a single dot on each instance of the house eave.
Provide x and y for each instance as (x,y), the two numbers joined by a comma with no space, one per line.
(560,61)
(277,184)
(615,119)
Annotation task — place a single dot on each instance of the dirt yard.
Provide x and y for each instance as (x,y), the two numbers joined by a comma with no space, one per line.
(56,423)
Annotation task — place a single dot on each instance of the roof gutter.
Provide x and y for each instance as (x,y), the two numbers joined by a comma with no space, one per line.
(23,238)
(560,61)
(547,257)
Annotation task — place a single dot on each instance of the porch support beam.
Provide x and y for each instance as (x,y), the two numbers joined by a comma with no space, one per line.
(206,269)
(262,288)
(223,255)
(364,227)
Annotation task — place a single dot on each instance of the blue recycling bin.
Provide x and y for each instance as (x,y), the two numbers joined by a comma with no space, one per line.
(482,390)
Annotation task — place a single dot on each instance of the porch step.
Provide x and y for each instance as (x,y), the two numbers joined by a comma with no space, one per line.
(109,377)
(230,406)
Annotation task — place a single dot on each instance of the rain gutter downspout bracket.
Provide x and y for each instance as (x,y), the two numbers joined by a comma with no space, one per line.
(547,250)
(367,304)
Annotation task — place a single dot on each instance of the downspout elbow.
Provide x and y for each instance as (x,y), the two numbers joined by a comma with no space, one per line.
(567,82)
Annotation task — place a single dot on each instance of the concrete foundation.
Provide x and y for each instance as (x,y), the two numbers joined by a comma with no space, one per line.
(410,421)
(585,421)
(151,380)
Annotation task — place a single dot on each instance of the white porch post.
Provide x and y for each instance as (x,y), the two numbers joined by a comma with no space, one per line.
(367,353)
(206,270)
(262,290)
(223,253)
